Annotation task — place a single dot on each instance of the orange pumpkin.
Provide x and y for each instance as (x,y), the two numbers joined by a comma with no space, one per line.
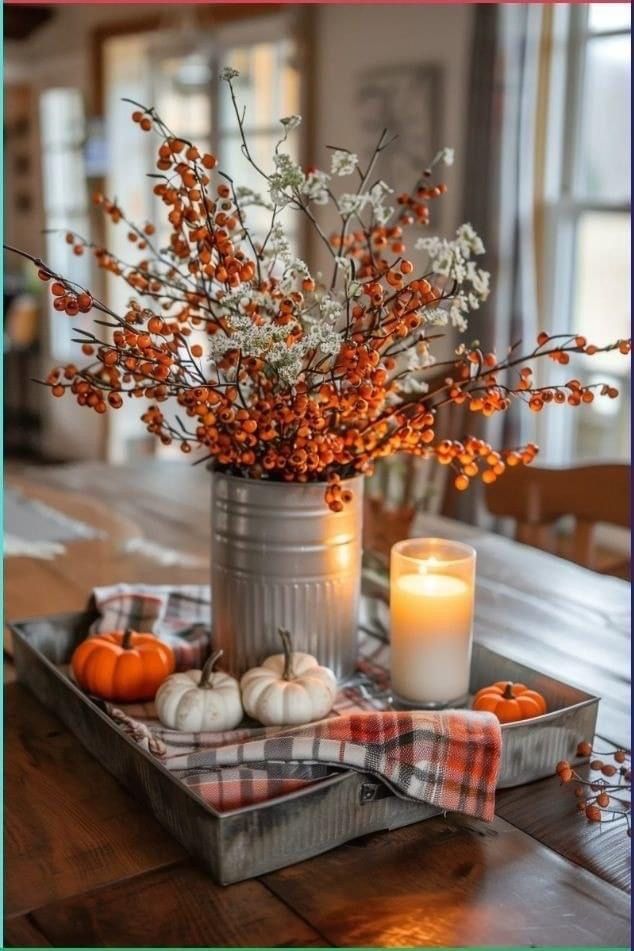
(122,666)
(510,702)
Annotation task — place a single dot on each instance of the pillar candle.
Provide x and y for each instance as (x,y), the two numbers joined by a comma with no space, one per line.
(431,620)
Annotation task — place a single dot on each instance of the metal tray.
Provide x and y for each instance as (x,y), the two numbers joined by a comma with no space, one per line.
(530,748)
(248,842)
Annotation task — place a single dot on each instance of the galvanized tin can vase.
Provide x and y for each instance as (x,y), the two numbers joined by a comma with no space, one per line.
(281,558)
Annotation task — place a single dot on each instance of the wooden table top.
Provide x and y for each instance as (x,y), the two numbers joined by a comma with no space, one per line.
(86,865)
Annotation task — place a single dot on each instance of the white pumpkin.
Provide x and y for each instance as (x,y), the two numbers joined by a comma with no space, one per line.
(200,701)
(288,689)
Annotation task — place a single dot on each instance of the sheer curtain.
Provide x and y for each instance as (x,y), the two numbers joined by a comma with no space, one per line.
(499,197)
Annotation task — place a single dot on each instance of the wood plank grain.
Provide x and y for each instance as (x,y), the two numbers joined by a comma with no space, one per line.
(142,538)
(175,907)
(547,811)
(453,883)
(21,932)
(69,826)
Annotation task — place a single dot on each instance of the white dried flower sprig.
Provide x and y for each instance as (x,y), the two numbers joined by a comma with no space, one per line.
(452,260)
(343,162)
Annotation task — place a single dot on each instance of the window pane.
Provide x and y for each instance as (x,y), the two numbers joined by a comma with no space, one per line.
(268,85)
(60,257)
(604,163)
(61,118)
(65,200)
(182,96)
(601,313)
(601,308)
(601,430)
(63,176)
(609,16)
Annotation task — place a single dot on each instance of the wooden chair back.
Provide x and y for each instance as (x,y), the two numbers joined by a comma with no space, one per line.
(538,498)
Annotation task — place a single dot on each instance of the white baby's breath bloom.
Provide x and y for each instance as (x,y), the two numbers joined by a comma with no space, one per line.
(352,204)
(383,214)
(379,191)
(291,122)
(342,162)
(322,337)
(278,244)
(429,244)
(315,187)
(457,311)
(300,268)
(452,259)
(287,178)
(377,195)
(286,361)
(446,156)
(413,386)
(437,316)
(479,279)
(330,309)
(469,240)
(228,73)
(288,170)
(295,268)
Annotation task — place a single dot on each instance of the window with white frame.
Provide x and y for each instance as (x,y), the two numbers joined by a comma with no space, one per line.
(177,71)
(62,134)
(587,254)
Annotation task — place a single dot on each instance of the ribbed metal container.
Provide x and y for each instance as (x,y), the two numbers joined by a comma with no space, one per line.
(281,558)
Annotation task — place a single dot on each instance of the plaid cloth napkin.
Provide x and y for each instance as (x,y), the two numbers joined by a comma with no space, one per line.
(449,759)
(179,616)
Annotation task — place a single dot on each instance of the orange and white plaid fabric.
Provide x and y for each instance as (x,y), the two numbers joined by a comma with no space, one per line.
(449,759)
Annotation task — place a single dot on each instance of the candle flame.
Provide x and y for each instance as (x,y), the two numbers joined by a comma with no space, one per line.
(424,566)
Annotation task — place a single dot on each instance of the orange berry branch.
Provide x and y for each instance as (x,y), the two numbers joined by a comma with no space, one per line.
(606,798)
(280,374)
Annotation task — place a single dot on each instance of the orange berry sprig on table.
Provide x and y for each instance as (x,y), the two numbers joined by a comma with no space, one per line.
(605,798)
(280,374)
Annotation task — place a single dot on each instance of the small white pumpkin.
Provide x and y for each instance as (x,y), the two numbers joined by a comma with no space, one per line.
(200,701)
(288,689)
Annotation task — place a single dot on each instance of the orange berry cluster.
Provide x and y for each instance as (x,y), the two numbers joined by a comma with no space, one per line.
(607,803)
(346,407)
(415,208)
(67,300)
(475,458)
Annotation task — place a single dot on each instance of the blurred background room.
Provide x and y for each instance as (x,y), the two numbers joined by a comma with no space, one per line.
(535,100)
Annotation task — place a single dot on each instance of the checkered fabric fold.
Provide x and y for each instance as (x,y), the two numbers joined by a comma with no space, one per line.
(449,759)
(179,616)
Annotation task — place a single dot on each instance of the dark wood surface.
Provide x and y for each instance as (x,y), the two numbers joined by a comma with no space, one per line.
(178,906)
(453,883)
(85,866)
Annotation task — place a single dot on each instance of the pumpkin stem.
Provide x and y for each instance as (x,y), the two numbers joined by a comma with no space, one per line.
(288,654)
(207,670)
(508,692)
(126,643)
